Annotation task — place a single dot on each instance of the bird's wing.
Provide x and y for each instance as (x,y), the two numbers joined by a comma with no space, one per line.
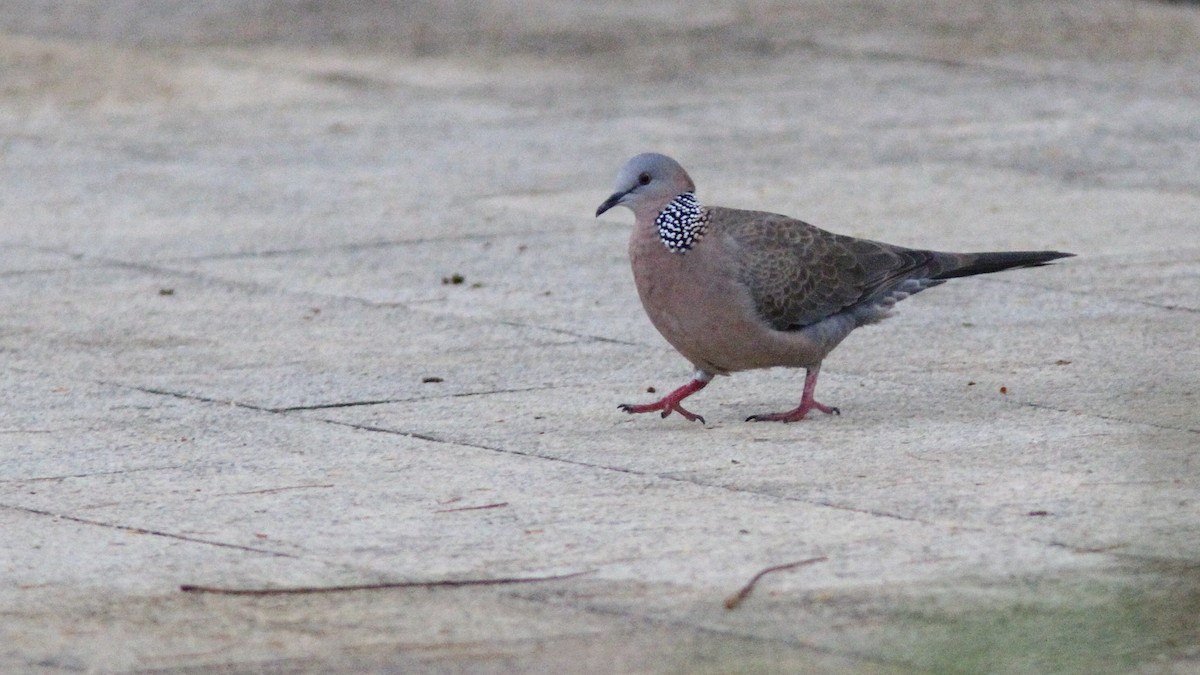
(799,274)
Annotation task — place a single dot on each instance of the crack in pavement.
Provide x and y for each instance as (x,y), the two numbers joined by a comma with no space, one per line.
(1091,294)
(563,331)
(144,530)
(90,474)
(1112,418)
(185,397)
(411,399)
(317,406)
(322,248)
(1018,401)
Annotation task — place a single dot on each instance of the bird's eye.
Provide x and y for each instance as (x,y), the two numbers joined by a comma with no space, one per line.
(644,179)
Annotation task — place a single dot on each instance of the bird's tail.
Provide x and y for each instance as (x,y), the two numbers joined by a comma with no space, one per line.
(967,264)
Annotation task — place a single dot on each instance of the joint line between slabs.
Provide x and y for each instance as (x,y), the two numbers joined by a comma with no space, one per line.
(91,474)
(563,331)
(143,530)
(461,394)
(1111,418)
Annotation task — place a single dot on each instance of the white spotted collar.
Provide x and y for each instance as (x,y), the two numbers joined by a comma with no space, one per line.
(681,223)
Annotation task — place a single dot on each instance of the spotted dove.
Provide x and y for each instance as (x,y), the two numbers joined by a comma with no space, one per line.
(736,290)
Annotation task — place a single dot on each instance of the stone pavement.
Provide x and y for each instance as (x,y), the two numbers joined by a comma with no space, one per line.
(310,294)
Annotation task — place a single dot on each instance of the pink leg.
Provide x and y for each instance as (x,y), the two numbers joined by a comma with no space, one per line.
(670,402)
(807,402)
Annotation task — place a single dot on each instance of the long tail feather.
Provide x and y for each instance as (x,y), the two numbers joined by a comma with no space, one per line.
(965,265)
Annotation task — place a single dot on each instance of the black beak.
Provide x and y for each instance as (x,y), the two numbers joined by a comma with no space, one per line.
(610,202)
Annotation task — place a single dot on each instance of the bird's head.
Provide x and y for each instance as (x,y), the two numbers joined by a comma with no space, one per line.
(647,182)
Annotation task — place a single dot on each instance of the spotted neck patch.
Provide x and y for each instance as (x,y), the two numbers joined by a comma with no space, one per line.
(681,223)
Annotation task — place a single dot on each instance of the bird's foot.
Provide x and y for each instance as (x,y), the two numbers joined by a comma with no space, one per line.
(666,405)
(795,415)
(671,402)
(807,402)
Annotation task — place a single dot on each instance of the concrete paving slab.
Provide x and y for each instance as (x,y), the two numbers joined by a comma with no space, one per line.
(229,357)
(153,329)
